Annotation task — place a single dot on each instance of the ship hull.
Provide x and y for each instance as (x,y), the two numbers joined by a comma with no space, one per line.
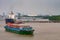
(19,31)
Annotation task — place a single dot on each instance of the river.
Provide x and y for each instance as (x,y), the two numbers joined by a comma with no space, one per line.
(43,31)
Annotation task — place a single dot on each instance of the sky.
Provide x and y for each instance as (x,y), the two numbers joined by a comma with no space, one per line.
(31,7)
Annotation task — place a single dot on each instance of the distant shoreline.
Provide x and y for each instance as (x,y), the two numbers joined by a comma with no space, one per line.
(35,21)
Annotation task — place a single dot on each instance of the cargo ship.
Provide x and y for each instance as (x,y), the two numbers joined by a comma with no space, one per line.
(17,27)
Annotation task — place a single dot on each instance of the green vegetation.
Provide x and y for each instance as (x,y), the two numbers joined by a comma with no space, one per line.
(54,18)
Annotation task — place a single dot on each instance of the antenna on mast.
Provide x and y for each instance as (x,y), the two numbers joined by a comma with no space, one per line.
(11,9)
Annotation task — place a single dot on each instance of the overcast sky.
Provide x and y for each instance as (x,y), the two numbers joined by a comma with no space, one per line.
(31,7)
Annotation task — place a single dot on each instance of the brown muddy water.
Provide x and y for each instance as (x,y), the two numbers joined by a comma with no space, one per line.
(43,31)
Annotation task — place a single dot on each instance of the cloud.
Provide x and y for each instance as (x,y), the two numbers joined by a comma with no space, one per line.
(30,6)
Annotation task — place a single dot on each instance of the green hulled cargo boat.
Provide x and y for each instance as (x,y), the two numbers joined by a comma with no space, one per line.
(22,30)
(19,28)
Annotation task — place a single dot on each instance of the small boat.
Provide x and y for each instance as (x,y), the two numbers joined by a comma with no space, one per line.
(21,30)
